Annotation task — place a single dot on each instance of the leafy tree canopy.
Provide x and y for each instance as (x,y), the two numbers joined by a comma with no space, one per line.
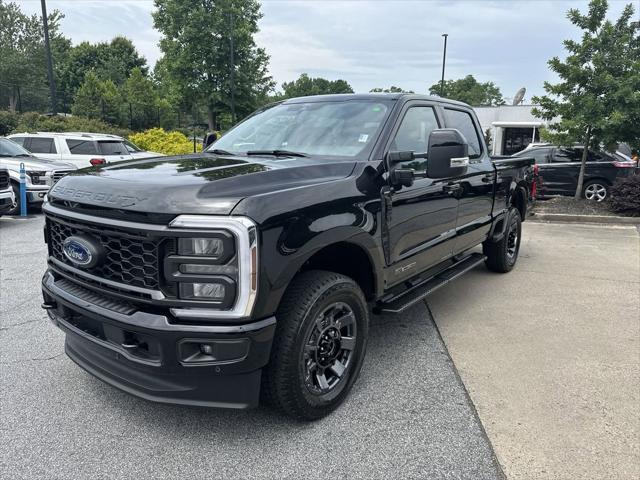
(469,90)
(112,60)
(197,39)
(598,96)
(306,85)
(23,61)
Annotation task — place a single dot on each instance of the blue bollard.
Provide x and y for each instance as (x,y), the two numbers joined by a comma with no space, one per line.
(23,191)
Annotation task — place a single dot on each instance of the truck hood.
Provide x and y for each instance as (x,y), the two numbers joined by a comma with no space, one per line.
(33,163)
(200,183)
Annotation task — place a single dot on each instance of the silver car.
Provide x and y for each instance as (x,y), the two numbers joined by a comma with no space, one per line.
(40,174)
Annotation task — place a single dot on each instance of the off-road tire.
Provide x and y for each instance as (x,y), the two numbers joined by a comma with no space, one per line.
(284,380)
(500,255)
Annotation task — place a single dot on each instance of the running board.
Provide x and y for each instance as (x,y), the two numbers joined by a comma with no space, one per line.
(410,297)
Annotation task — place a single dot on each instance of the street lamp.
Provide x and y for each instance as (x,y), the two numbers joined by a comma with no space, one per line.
(47,47)
(444,59)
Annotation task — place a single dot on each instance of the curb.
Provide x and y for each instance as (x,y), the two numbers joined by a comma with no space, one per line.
(566,218)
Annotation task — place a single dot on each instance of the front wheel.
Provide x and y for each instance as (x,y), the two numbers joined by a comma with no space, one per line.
(319,345)
(502,255)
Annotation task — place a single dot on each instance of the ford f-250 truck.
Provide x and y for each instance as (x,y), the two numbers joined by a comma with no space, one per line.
(249,271)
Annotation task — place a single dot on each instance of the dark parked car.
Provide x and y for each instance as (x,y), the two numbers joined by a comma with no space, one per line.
(248,270)
(559,167)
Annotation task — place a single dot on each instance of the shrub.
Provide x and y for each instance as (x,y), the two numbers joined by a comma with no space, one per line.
(161,141)
(625,196)
(8,122)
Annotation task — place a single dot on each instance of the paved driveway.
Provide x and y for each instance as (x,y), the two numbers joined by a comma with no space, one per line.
(408,416)
(550,353)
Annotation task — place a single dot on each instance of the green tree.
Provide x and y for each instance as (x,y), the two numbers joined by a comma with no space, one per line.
(23,75)
(598,97)
(112,60)
(197,39)
(306,85)
(139,92)
(98,100)
(469,90)
(391,89)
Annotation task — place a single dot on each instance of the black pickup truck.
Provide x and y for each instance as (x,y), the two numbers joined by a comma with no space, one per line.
(249,271)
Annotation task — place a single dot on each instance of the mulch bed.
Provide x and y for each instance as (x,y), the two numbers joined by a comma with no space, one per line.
(571,206)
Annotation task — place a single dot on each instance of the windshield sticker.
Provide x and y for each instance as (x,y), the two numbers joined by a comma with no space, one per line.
(363,138)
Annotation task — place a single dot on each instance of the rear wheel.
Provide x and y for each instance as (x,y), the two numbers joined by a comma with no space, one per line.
(319,345)
(502,255)
(596,190)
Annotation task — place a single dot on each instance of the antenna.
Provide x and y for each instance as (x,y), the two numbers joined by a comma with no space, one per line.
(517,100)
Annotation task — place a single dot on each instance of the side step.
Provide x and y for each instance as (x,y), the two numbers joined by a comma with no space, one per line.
(410,297)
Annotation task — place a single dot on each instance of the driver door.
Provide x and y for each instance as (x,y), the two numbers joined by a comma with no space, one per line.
(422,223)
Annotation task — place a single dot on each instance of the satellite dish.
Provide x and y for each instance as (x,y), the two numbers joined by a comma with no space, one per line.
(517,100)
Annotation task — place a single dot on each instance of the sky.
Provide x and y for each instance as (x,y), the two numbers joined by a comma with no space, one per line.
(372,43)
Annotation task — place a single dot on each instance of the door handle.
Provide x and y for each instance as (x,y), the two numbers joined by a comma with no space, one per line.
(487,178)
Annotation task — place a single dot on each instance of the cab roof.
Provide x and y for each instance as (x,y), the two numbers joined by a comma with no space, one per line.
(342,97)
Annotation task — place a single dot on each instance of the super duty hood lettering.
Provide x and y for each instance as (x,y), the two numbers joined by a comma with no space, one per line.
(67,193)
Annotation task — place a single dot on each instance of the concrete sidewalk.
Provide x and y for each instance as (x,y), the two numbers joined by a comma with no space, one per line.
(550,353)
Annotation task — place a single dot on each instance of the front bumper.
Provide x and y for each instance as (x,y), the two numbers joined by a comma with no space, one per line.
(36,193)
(7,201)
(144,354)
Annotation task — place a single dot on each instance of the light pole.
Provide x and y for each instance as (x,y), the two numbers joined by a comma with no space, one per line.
(47,47)
(444,59)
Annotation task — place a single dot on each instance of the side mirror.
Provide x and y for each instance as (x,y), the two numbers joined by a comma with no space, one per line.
(209,138)
(447,153)
(402,176)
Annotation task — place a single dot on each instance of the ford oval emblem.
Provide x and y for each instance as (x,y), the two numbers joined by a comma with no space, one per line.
(81,251)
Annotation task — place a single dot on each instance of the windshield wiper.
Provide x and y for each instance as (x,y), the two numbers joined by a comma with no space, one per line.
(217,151)
(277,153)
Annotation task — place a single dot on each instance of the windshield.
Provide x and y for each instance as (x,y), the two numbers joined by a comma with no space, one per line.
(340,129)
(12,149)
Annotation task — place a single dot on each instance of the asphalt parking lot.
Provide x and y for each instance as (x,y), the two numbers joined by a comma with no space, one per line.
(409,415)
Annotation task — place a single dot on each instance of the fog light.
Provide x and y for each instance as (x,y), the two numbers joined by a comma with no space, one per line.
(207,291)
(206,349)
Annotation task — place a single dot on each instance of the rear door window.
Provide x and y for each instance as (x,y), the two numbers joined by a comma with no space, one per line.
(112,148)
(42,145)
(463,122)
(82,147)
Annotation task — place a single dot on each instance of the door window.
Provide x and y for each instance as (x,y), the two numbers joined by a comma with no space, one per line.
(463,122)
(413,133)
(82,147)
(567,155)
(42,145)
(112,148)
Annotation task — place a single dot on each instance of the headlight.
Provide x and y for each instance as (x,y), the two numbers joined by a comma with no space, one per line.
(207,247)
(37,178)
(217,264)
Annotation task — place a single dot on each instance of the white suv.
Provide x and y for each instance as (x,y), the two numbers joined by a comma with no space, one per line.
(81,149)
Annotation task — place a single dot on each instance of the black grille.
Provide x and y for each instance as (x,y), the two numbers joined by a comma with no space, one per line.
(58,174)
(4,179)
(130,259)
